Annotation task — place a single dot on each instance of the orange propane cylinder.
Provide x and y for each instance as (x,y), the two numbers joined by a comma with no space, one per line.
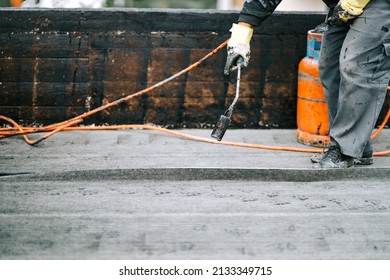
(16,3)
(312,109)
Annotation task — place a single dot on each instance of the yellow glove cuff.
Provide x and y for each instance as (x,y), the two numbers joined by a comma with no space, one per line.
(354,7)
(241,34)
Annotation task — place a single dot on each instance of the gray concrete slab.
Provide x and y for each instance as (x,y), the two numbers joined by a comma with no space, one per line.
(194,220)
(138,149)
(146,195)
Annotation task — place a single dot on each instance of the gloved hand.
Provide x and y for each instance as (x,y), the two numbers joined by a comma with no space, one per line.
(238,46)
(345,11)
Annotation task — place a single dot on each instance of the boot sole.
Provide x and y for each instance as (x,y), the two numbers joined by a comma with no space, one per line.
(361,161)
(364,161)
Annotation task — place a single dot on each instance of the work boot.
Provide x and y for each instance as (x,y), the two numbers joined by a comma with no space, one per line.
(335,159)
(316,158)
(366,159)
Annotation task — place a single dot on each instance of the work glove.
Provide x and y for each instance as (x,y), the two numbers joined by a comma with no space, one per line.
(345,11)
(238,46)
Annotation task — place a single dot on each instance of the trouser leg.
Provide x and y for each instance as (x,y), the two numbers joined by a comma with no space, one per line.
(329,66)
(364,75)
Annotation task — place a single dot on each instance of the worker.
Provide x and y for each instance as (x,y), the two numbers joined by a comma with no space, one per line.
(354,67)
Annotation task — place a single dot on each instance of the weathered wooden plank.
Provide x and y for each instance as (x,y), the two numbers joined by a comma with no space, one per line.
(97,60)
(39,20)
(15,94)
(44,45)
(43,94)
(272,117)
(126,65)
(55,70)
(119,39)
(187,40)
(203,103)
(166,62)
(165,105)
(42,114)
(170,20)
(126,113)
(248,107)
(210,71)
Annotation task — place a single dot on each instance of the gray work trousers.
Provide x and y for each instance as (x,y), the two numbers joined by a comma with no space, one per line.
(354,68)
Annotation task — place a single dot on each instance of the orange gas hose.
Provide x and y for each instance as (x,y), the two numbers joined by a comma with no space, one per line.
(182,135)
(386,119)
(198,138)
(211,141)
(69,124)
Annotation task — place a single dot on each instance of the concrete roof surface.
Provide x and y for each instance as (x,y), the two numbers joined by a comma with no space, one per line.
(142,149)
(136,194)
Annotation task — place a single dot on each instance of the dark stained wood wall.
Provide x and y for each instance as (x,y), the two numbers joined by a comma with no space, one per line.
(55,64)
